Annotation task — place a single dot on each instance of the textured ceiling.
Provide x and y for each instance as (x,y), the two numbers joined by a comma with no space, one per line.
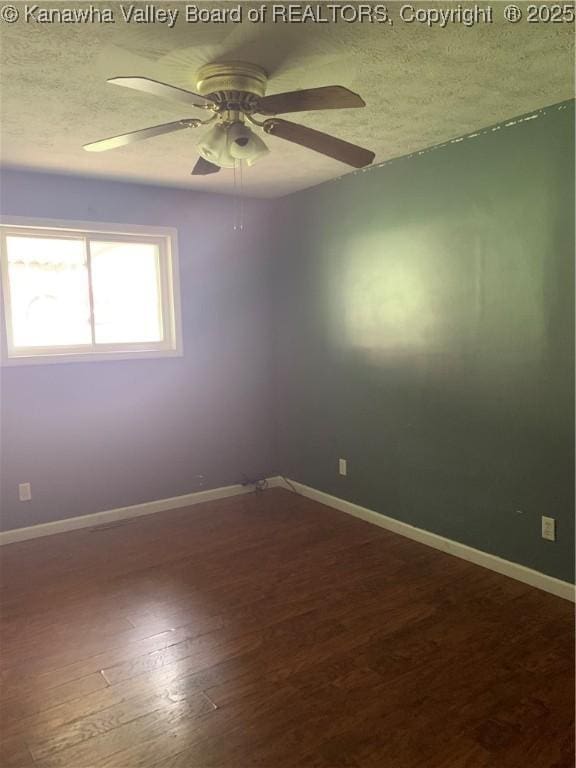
(422,87)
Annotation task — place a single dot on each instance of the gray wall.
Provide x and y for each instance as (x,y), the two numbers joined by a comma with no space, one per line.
(94,436)
(425,333)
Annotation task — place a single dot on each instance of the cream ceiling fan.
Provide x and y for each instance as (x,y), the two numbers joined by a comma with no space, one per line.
(229,96)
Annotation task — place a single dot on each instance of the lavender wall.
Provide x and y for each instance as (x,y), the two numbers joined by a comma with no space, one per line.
(95,436)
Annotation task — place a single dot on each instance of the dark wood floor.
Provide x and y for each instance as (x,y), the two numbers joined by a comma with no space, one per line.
(270,631)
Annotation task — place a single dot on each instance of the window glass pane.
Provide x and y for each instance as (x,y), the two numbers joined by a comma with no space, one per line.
(49,296)
(126,292)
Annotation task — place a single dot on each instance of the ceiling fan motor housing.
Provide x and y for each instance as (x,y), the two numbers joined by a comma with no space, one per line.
(235,85)
(231,76)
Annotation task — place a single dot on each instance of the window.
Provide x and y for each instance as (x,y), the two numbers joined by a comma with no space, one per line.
(100,292)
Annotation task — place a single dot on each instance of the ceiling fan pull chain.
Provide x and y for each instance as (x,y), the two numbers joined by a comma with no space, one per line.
(234,204)
(235,196)
(241,194)
(238,206)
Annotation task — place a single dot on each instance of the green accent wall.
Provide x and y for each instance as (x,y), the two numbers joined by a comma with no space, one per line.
(424,314)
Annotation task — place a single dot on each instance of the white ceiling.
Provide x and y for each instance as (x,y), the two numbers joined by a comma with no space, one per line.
(422,87)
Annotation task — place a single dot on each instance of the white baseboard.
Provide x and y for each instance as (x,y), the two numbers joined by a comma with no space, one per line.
(492,562)
(505,567)
(277,482)
(124,513)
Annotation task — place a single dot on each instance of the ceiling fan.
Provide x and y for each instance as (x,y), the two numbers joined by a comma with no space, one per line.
(231,94)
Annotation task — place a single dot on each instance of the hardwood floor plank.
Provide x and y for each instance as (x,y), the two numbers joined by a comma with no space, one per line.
(14,752)
(103,738)
(53,670)
(31,701)
(42,724)
(105,720)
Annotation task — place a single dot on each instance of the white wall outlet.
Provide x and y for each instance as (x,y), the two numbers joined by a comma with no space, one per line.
(25,492)
(342,467)
(548,528)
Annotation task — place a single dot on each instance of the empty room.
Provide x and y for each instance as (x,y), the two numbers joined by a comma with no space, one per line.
(287,385)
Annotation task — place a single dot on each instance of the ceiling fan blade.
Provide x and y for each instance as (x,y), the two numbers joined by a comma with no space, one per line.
(204,168)
(351,154)
(144,133)
(327,97)
(163,90)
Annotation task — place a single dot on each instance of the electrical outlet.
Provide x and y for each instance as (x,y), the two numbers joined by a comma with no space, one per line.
(548,528)
(25,492)
(342,467)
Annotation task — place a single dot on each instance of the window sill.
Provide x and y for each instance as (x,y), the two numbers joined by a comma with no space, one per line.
(90,357)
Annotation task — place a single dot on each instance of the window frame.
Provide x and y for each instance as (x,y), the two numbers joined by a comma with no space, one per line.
(167,240)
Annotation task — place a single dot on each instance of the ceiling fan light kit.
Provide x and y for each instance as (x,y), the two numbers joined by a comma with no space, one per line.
(226,145)
(245,144)
(231,94)
(213,147)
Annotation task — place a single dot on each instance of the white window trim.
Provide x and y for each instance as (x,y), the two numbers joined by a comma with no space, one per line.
(170,286)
